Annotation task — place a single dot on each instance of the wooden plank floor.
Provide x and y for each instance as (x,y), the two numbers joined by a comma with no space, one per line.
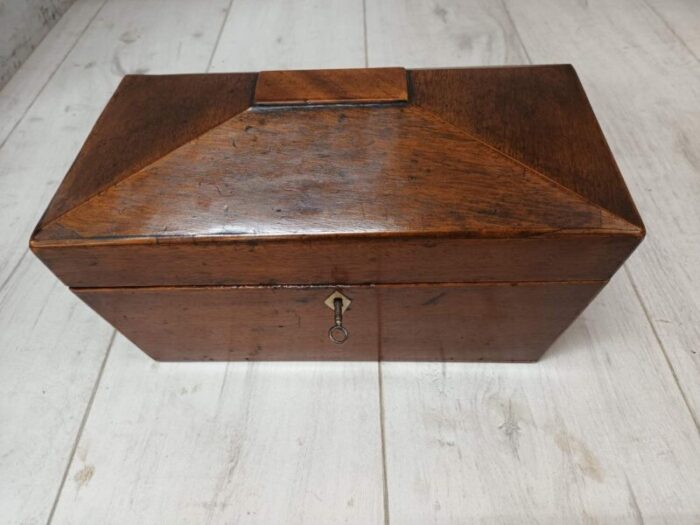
(603,430)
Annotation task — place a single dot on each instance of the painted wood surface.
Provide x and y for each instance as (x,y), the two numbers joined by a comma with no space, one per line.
(278,35)
(51,351)
(681,18)
(23,25)
(416,34)
(597,432)
(20,92)
(244,443)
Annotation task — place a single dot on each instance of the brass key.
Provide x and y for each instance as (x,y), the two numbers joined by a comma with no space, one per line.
(338,333)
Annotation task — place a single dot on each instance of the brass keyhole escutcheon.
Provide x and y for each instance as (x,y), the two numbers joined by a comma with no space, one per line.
(338,303)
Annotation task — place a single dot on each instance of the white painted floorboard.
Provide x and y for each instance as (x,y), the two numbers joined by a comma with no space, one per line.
(18,94)
(279,34)
(243,443)
(602,430)
(681,18)
(51,350)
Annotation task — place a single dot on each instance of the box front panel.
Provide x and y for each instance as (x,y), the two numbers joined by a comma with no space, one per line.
(453,322)
(238,323)
(479,322)
(349,261)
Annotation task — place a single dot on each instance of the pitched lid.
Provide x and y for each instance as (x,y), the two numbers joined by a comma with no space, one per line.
(312,155)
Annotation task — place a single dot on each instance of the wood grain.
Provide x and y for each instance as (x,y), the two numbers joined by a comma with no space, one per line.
(264,173)
(331,86)
(239,323)
(346,261)
(326,171)
(563,141)
(441,34)
(477,322)
(23,26)
(355,175)
(169,109)
(470,322)
(300,181)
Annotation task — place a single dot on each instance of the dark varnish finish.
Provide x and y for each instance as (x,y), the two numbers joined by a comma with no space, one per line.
(208,216)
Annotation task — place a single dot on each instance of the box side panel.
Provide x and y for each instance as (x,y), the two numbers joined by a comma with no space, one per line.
(475,322)
(339,261)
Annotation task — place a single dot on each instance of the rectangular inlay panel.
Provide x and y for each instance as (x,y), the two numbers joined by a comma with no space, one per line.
(332,86)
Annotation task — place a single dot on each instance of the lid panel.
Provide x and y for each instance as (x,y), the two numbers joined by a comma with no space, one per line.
(354,260)
(479,175)
(539,115)
(147,117)
(331,171)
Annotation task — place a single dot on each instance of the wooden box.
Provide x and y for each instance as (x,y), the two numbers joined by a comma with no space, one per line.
(456,214)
